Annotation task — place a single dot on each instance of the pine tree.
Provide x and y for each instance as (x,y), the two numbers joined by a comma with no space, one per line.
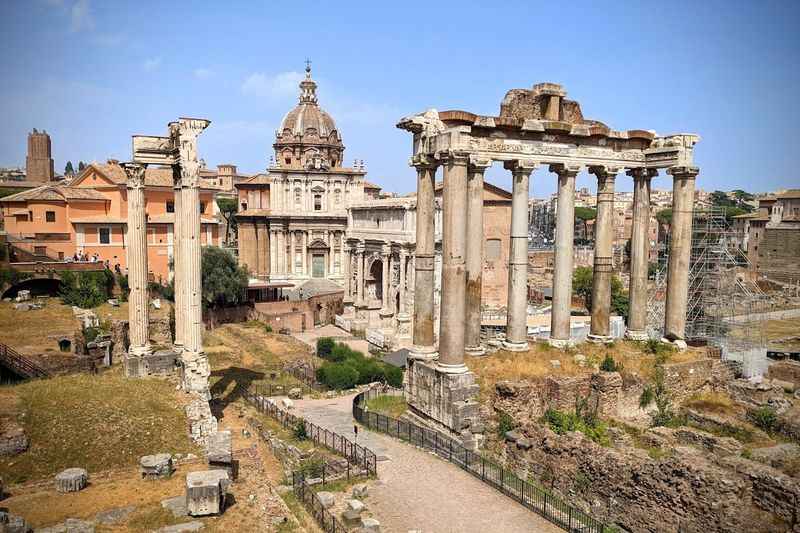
(68,170)
(81,166)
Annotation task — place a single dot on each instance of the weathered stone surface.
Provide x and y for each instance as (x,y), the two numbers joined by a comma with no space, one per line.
(755,395)
(326,499)
(113,516)
(778,456)
(194,525)
(691,492)
(201,421)
(370,525)
(360,491)
(718,445)
(206,491)
(11,523)
(13,440)
(353,510)
(296,393)
(786,370)
(286,403)
(220,448)
(71,480)
(158,466)
(70,525)
(177,505)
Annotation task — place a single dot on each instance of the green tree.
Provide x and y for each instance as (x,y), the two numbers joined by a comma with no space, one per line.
(81,166)
(582,284)
(664,217)
(720,198)
(224,281)
(585,214)
(228,209)
(68,170)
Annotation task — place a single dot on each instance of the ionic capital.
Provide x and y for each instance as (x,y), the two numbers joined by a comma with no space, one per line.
(176,176)
(479,164)
(422,162)
(604,171)
(521,166)
(135,174)
(642,173)
(566,169)
(683,173)
(453,157)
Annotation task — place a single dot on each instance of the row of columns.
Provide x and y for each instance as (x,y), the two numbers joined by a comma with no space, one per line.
(462,256)
(283,261)
(355,270)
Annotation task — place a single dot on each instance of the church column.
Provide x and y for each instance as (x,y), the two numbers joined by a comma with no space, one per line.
(342,257)
(360,274)
(454,234)
(680,248)
(517,319)
(562,275)
(423,339)
(331,252)
(600,329)
(292,254)
(640,252)
(304,252)
(273,267)
(138,309)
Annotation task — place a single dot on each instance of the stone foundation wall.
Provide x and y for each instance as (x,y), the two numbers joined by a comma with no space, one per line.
(686,379)
(685,491)
(785,371)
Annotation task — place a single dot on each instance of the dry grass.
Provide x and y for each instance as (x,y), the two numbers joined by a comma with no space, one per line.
(393,406)
(780,334)
(94,422)
(40,326)
(712,402)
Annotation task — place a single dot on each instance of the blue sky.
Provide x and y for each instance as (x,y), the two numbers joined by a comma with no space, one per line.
(94,72)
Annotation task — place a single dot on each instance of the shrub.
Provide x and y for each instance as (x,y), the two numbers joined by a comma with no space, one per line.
(86,289)
(299,430)
(267,329)
(325,347)
(394,376)
(311,467)
(562,423)
(765,418)
(505,424)
(609,365)
(337,376)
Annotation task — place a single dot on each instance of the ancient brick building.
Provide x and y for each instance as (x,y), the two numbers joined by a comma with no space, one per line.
(39,162)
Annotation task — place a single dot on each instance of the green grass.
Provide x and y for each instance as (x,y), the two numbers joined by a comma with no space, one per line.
(342,485)
(97,422)
(394,406)
(299,512)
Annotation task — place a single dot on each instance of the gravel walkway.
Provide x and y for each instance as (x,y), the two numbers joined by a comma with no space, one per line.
(417,490)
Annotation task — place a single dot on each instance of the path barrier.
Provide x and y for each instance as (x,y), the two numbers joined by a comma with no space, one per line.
(306,494)
(357,455)
(532,496)
(20,364)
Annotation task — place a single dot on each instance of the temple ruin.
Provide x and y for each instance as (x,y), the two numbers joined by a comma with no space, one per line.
(536,127)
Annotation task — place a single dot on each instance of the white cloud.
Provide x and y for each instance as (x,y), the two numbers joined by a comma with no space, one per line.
(203,73)
(81,16)
(277,87)
(152,64)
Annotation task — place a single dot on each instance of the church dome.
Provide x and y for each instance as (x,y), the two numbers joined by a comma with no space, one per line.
(308,137)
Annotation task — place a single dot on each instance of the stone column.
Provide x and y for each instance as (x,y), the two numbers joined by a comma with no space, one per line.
(347,274)
(177,260)
(304,252)
(474,259)
(402,287)
(262,249)
(139,301)
(291,268)
(454,237)
(680,248)
(360,274)
(603,264)
(517,319)
(331,252)
(385,254)
(423,340)
(640,252)
(562,275)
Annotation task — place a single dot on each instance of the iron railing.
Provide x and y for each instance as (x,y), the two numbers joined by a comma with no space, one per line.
(530,495)
(307,495)
(20,364)
(355,454)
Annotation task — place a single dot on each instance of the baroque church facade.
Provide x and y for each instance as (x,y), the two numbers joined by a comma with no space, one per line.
(293,220)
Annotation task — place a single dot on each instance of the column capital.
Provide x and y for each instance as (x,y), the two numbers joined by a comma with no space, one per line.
(683,173)
(604,171)
(521,166)
(422,162)
(566,169)
(453,157)
(478,163)
(642,173)
(135,174)
(176,176)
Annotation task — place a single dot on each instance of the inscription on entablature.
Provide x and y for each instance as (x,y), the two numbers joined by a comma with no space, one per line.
(539,148)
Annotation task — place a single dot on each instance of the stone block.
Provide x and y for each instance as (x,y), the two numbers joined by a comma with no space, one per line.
(11,523)
(71,480)
(206,491)
(326,499)
(74,525)
(134,367)
(353,509)
(177,505)
(370,525)
(194,525)
(296,393)
(219,448)
(360,491)
(113,516)
(286,403)
(158,466)
(13,440)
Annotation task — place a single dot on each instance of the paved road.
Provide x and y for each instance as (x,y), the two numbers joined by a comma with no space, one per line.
(417,490)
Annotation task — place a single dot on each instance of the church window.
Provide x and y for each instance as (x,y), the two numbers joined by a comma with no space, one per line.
(170,207)
(317,202)
(337,195)
(297,197)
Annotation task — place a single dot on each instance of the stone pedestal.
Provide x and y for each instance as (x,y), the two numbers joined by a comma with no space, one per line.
(444,399)
(71,480)
(219,452)
(158,466)
(403,330)
(202,423)
(205,492)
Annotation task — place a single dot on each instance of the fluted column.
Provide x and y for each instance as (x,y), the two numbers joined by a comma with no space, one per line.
(600,329)
(562,275)
(640,253)
(347,274)
(360,274)
(474,251)
(331,252)
(454,236)
(139,301)
(680,248)
(423,338)
(304,253)
(402,288)
(385,254)
(291,269)
(517,309)
(177,261)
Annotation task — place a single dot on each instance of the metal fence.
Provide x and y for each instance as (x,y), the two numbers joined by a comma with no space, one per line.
(307,376)
(532,496)
(357,455)
(307,495)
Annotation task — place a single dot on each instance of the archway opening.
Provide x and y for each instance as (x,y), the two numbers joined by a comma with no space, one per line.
(37,286)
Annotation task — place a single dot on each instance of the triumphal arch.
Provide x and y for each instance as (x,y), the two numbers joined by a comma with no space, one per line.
(536,128)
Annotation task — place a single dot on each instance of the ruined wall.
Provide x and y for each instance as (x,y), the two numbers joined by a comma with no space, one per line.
(687,492)
(785,371)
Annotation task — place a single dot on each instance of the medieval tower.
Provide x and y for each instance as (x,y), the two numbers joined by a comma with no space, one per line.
(39,163)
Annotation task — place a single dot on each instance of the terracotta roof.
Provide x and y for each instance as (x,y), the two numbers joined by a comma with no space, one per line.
(254,213)
(55,192)
(153,176)
(258,179)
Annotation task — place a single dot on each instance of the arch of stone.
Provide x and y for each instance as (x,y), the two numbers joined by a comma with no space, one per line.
(178,150)
(536,128)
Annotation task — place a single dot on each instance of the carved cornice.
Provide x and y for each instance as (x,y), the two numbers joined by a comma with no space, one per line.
(683,173)
(521,166)
(566,169)
(478,163)
(188,131)
(642,173)
(135,174)
(605,171)
(453,157)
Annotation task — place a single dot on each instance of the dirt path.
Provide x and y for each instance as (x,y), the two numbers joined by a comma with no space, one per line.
(417,490)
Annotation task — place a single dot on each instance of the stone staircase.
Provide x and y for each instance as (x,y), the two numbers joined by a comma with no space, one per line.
(20,364)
